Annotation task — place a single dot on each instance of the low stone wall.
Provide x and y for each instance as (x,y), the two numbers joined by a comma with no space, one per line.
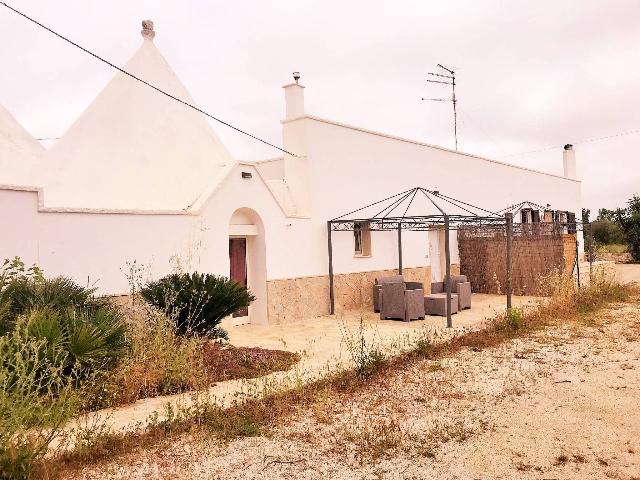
(289,300)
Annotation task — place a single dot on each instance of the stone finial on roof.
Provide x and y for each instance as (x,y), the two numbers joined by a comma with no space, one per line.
(147,29)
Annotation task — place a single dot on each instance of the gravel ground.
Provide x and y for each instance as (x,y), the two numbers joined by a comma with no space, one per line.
(562,404)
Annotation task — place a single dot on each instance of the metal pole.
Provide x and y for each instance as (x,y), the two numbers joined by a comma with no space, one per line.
(455,114)
(509,227)
(590,251)
(399,248)
(447,278)
(577,260)
(332,306)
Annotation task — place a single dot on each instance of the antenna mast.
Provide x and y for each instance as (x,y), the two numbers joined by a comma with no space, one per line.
(449,79)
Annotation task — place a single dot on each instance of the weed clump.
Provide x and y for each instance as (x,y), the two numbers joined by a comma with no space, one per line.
(367,358)
(514,318)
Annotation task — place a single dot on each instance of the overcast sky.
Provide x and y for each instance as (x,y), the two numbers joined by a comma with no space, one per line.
(530,74)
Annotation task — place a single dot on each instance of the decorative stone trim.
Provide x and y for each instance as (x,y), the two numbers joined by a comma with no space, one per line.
(290,300)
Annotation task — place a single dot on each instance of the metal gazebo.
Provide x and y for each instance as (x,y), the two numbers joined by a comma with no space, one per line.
(409,210)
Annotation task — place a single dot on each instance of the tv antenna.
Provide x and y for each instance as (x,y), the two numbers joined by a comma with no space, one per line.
(448,78)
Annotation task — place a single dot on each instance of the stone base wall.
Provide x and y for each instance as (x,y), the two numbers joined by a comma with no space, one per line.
(290,300)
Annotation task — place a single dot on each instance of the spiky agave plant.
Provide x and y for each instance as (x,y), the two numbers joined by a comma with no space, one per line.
(197,302)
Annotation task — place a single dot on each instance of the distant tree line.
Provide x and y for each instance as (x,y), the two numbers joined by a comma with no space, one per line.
(619,226)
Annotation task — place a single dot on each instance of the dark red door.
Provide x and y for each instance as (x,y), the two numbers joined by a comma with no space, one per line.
(238,270)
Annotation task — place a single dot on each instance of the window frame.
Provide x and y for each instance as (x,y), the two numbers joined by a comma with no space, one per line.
(361,236)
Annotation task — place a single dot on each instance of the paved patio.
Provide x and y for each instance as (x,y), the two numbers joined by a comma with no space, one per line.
(321,339)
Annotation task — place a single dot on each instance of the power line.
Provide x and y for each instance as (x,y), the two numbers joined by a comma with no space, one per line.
(145,82)
(589,140)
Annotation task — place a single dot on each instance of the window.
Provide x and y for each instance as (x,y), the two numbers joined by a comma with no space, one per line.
(571,222)
(535,216)
(529,215)
(562,222)
(361,239)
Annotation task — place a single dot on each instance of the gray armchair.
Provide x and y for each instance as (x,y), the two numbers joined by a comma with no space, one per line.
(396,301)
(460,286)
(377,286)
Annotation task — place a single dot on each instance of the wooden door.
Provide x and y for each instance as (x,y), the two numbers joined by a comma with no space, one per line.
(238,267)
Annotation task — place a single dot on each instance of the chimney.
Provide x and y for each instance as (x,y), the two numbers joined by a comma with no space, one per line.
(294,98)
(147,30)
(569,162)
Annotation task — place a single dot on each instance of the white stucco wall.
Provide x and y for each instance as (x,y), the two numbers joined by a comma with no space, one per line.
(348,168)
(94,247)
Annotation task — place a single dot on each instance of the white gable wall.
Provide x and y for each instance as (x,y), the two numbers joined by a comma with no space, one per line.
(350,168)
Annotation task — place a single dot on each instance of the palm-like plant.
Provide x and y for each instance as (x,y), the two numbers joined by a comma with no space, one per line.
(58,293)
(80,341)
(197,302)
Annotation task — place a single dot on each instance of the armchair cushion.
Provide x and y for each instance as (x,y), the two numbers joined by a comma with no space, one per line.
(437,287)
(390,279)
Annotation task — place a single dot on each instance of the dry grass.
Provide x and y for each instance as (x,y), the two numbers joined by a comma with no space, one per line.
(160,361)
(371,439)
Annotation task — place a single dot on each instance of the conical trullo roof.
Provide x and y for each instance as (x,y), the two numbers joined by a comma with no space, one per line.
(135,148)
(20,153)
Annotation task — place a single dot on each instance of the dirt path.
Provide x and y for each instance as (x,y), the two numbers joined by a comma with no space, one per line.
(561,404)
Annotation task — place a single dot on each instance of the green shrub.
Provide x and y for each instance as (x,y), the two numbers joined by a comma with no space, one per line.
(514,318)
(630,223)
(58,294)
(606,232)
(25,289)
(197,302)
(80,341)
(12,271)
(36,400)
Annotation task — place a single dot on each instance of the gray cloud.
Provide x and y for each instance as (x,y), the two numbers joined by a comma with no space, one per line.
(531,74)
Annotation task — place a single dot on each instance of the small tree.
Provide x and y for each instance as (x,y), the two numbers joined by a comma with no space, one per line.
(606,232)
(630,224)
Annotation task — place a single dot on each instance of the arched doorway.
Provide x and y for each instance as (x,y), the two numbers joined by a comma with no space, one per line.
(247,262)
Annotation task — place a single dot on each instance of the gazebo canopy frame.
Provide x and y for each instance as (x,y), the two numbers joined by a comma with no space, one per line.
(392,215)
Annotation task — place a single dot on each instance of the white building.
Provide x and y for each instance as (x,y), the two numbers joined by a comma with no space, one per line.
(142,177)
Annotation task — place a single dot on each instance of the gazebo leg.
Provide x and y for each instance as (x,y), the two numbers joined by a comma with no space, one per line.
(332,306)
(447,278)
(399,248)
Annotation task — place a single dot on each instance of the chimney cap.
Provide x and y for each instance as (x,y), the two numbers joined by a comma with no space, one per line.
(147,30)
(568,146)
